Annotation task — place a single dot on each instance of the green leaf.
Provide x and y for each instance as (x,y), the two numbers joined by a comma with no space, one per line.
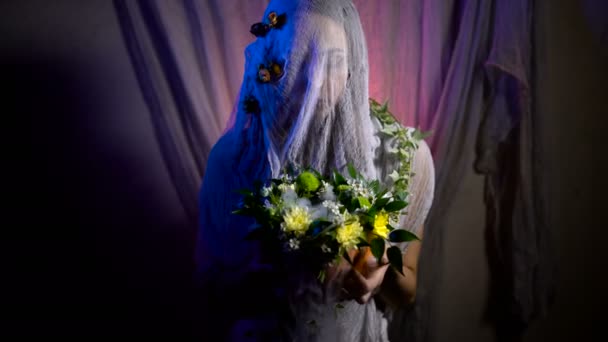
(377,246)
(345,199)
(316,173)
(339,179)
(325,230)
(321,276)
(351,171)
(395,258)
(384,107)
(244,191)
(381,203)
(364,202)
(371,213)
(362,243)
(374,185)
(339,306)
(382,193)
(354,204)
(390,228)
(395,206)
(343,187)
(401,195)
(244,211)
(389,130)
(347,257)
(402,235)
(420,135)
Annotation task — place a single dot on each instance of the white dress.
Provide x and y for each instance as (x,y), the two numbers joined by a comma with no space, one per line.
(367,323)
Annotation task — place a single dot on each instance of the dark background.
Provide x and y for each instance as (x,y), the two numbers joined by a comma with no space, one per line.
(96,243)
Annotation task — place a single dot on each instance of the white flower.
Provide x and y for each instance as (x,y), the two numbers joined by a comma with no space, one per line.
(303,202)
(285,187)
(325,248)
(327,192)
(269,205)
(363,209)
(394,175)
(319,211)
(334,214)
(289,196)
(286,178)
(293,244)
(358,188)
(332,206)
(265,192)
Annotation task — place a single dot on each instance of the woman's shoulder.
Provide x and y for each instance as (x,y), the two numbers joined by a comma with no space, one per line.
(401,148)
(222,151)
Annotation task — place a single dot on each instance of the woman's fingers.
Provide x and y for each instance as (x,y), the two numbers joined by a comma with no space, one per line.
(361,281)
(361,288)
(364,299)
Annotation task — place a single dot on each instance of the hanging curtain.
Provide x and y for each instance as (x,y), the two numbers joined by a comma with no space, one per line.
(458,68)
(521,259)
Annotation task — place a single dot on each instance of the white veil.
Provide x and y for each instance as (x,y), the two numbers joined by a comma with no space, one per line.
(315,112)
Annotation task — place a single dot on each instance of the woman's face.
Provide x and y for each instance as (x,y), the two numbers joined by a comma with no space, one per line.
(331,59)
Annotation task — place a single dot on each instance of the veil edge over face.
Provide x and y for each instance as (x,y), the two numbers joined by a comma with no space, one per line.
(308,116)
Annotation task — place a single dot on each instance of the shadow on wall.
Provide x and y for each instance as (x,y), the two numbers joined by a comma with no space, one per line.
(94,256)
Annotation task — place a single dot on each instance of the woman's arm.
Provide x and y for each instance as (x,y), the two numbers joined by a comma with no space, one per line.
(368,278)
(398,290)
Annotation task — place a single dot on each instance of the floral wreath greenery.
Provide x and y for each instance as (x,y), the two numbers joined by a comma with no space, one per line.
(407,142)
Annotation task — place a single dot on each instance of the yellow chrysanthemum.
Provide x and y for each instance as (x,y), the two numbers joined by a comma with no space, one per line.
(380,224)
(296,220)
(348,234)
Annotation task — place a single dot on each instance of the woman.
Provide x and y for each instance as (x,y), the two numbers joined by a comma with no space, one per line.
(304,100)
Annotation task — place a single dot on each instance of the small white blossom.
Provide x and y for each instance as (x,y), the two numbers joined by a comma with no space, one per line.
(363,209)
(289,197)
(332,206)
(327,192)
(265,192)
(268,205)
(325,248)
(293,244)
(334,212)
(394,175)
(285,187)
(286,178)
(358,187)
(393,219)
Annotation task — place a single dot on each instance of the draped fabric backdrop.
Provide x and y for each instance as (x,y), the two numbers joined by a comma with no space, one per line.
(459,68)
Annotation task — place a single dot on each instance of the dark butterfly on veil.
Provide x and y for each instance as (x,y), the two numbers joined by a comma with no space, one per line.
(274,21)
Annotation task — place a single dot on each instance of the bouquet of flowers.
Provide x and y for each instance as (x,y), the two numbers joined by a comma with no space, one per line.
(324,217)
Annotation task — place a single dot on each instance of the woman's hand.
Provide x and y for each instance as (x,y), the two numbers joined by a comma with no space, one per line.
(361,280)
(366,276)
